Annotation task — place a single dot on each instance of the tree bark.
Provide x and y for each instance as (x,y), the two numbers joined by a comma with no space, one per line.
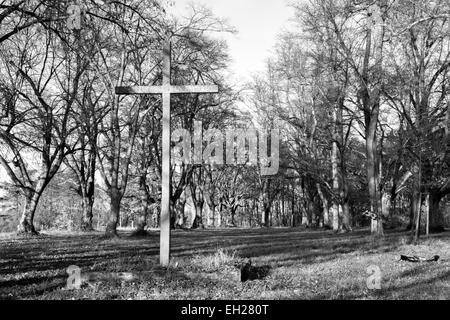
(386,202)
(267,202)
(179,212)
(370,98)
(335,211)
(414,200)
(233,216)
(113,214)
(141,224)
(142,221)
(373,174)
(198,220)
(293,222)
(335,176)
(209,198)
(325,211)
(346,223)
(26,224)
(219,216)
(437,220)
(266,210)
(87,202)
(212,209)
(87,207)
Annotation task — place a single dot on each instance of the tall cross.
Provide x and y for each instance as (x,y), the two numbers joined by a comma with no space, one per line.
(166,90)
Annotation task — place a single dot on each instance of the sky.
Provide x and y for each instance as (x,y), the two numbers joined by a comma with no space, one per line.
(258,23)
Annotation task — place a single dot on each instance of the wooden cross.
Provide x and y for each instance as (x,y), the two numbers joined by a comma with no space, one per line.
(166,90)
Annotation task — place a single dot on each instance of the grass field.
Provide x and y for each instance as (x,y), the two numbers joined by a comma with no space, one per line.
(304,264)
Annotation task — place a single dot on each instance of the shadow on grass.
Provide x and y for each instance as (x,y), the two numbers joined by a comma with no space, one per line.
(27,263)
(428,287)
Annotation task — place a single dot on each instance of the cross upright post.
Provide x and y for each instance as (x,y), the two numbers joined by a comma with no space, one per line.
(166,90)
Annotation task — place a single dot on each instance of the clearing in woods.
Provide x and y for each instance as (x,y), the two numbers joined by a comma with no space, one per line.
(303,264)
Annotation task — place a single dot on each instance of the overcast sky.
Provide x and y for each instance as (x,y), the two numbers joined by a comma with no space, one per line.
(258,23)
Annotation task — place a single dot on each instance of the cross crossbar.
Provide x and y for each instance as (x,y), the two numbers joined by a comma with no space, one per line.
(166,89)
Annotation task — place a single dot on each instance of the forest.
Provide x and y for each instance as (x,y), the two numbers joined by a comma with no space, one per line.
(358,92)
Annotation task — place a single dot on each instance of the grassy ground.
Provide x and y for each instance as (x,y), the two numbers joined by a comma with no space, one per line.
(304,264)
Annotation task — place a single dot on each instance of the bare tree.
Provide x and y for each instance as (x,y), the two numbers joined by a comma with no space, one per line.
(43,80)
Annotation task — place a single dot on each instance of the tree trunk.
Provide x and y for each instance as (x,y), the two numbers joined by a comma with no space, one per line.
(233,215)
(277,212)
(413,209)
(87,206)
(385,204)
(393,206)
(26,225)
(437,220)
(312,216)
(335,176)
(267,203)
(179,212)
(212,212)
(335,211)
(113,214)
(142,218)
(266,211)
(373,179)
(325,213)
(142,221)
(305,216)
(370,98)
(260,211)
(293,222)
(219,219)
(207,215)
(346,223)
(212,208)
(198,220)
(417,218)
